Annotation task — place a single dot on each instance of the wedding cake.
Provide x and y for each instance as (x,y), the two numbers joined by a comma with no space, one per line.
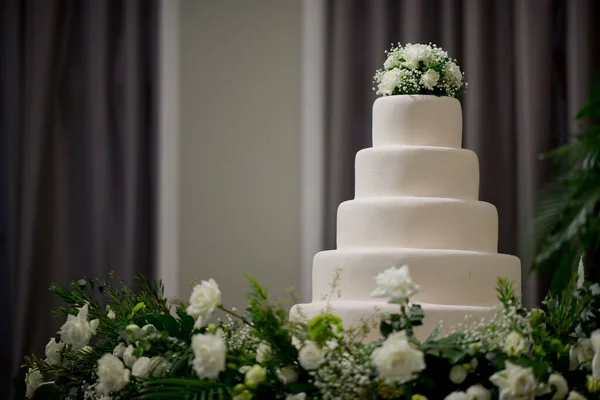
(416,204)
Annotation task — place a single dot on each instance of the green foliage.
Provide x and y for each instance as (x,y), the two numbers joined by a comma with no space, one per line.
(505,291)
(567,223)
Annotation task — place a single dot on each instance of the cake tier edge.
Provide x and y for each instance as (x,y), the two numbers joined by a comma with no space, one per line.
(419,171)
(348,274)
(418,222)
(355,314)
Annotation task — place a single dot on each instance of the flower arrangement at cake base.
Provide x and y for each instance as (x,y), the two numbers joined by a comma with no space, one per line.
(117,343)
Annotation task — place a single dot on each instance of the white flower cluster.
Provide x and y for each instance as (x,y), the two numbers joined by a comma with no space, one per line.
(337,373)
(395,284)
(205,298)
(419,69)
(508,330)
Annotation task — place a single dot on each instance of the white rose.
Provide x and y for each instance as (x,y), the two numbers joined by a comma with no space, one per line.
(112,374)
(454,73)
(430,78)
(396,284)
(255,376)
(77,331)
(458,374)
(209,355)
(559,386)
(263,353)
(128,357)
(514,344)
(298,396)
(54,352)
(515,381)
(575,396)
(457,396)
(311,356)
(111,315)
(478,392)
(119,350)
(397,360)
(581,354)
(287,374)
(596,366)
(33,380)
(141,367)
(414,54)
(203,301)
(390,80)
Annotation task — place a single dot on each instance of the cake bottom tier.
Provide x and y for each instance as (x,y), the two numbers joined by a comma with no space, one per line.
(358,313)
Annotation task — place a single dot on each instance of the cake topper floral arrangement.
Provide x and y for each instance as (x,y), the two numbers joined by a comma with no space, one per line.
(419,69)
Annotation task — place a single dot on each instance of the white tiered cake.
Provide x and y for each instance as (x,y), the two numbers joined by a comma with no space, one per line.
(416,203)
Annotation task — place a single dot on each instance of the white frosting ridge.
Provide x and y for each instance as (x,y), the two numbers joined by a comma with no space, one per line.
(417,120)
(354,313)
(418,222)
(445,276)
(423,171)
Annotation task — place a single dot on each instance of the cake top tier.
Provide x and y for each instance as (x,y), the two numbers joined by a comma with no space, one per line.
(417,120)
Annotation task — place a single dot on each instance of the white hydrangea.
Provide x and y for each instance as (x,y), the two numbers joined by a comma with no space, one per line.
(515,381)
(112,374)
(33,380)
(310,356)
(204,300)
(397,360)
(209,355)
(515,344)
(77,331)
(395,284)
(54,351)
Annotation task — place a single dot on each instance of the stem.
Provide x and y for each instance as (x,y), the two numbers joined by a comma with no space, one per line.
(234,314)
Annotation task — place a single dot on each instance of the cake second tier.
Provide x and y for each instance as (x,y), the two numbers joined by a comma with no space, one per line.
(418,222)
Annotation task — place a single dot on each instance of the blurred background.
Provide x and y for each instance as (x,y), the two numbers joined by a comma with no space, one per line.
(191,139)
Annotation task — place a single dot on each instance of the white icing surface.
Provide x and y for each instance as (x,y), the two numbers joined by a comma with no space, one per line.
(417,120)
(438,272)
(416,204)
(354,313)
(422,171)
(418,222)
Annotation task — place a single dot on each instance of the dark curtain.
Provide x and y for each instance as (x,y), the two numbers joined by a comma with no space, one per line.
(78,128)
(529,65)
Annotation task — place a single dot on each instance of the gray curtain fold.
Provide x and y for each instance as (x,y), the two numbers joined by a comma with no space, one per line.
(78,87)
(529,65)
